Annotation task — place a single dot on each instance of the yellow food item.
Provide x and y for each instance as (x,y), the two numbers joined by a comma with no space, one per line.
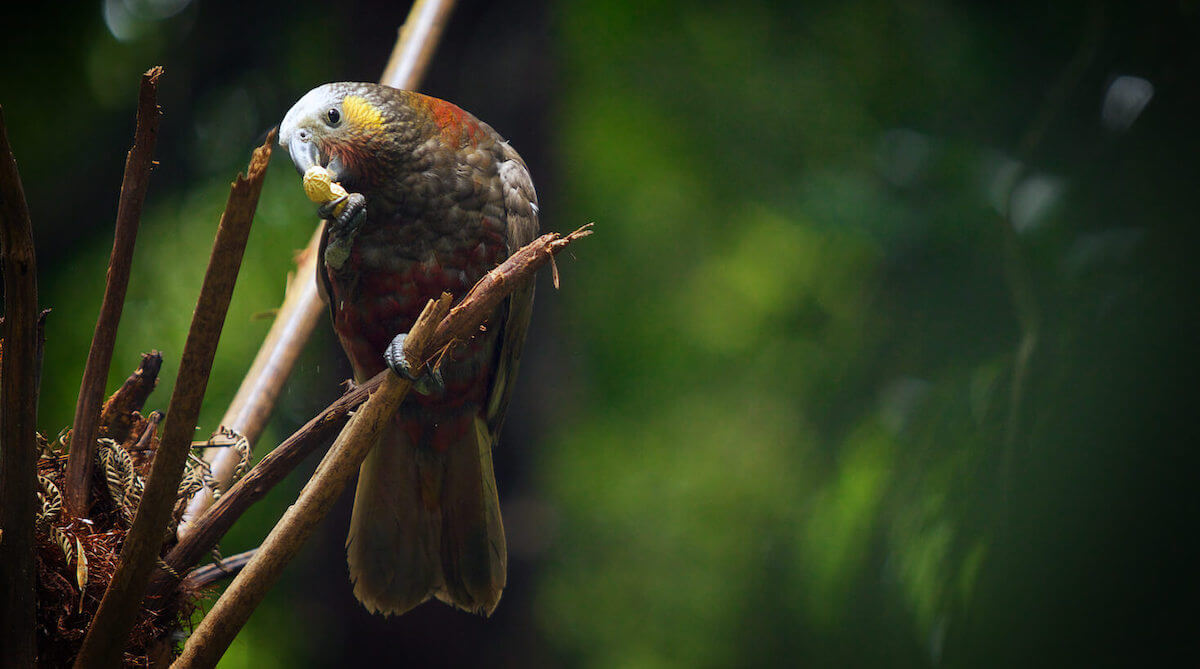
(320,187)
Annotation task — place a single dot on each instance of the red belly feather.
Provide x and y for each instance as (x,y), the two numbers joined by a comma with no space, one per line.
(373,305)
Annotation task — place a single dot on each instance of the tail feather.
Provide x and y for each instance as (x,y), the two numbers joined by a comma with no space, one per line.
(426,523)
(392,560)
(474,554)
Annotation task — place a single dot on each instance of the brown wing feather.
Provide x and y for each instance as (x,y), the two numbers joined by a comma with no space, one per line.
(520,205)
(323,289)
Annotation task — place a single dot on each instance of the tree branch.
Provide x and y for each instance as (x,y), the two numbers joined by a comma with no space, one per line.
(18,417)
(202,577)
(418,39)
(437,328)
(208,531)
(487,293)
(138,164)
(302,307)
(118,609)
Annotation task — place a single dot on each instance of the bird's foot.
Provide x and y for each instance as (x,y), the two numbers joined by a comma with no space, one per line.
(429,382)
(343,217)
(343,226)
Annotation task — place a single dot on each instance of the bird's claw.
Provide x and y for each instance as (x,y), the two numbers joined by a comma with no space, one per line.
(343,227)
(355,204)
(326,210)
(428,383)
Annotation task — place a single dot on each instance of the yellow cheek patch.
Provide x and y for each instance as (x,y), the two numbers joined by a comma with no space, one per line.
(361,114)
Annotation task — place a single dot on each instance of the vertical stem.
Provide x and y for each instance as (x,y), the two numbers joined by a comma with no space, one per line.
(95,374)
(119,608)
(18,418)
(418,39)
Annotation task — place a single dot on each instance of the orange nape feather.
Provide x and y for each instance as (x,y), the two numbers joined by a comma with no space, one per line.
(457,126)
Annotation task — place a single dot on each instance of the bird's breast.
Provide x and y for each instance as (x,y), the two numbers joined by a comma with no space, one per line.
(398,264)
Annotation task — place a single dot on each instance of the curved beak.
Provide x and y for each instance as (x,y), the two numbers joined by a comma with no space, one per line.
(304,152)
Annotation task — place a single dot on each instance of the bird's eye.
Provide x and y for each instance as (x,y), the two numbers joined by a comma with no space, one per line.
(334,116)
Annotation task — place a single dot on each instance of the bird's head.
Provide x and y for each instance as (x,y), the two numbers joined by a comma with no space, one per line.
(355,130)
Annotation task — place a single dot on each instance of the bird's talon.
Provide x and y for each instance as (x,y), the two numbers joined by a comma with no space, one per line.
(429,382)
(326,211)
(343,226)
(394,356)
(344,211)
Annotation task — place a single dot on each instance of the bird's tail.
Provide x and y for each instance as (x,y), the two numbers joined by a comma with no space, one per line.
(426,519)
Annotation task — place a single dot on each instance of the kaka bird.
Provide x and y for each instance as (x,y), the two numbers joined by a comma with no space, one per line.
(437,199)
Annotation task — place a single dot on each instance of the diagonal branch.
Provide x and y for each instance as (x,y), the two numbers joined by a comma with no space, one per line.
(202,577)
(436,329)
(18,417)
(138,163)
(487,293)
(119,608)
(302,307)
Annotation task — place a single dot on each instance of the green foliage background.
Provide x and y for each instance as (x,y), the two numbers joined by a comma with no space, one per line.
(771,417)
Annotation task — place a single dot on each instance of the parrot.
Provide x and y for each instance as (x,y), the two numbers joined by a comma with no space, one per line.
(436,199)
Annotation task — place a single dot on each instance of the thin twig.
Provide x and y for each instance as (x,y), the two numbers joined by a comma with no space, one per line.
(498,283)
(118,610)
(143,443)
(302,308)
(428,337)
(138,164)
(41,350)
(18,417)
(202,577)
